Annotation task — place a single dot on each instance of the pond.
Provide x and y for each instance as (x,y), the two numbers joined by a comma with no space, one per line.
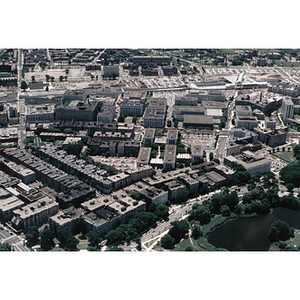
(251,234)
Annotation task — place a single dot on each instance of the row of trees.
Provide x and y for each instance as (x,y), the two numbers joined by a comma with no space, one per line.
(178,230)
(139,223)
(65,236)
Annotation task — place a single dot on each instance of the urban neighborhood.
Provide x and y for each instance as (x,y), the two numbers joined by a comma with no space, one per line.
(149,149)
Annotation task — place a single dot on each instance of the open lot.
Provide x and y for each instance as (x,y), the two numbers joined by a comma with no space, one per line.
(287,156)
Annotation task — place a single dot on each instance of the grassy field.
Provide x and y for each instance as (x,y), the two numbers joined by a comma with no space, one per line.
(287,63)
(287,156)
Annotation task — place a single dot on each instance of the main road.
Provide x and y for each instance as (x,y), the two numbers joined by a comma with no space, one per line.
(21,104)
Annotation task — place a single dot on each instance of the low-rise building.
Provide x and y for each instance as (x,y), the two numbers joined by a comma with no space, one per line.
(131,107)
(39,113)
(65,218)
(35,214)
(248,122)
(144,156)
(197,153)
(106,114)
(170,157)
(149,137)
(198,122)
(172,137)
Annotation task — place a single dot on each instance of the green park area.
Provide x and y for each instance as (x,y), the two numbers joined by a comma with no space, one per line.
(285,155)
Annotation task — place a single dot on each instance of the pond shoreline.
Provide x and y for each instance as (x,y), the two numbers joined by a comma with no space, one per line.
(248,235)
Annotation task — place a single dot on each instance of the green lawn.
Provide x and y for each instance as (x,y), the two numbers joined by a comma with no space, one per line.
(287,156)
(287,63)
(183,244)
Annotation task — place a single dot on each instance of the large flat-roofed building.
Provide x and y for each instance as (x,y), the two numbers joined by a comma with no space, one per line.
(212,96)
(175,188)
(149,137)
(154,117)
(178,111)
(197,153)
(19,171)
(65,218)
(215,180)
(131,107)
(271,137)
(170,157)
(253,164)
(7,206)
(106,114)
(36,213)
(257,101)
(186,101)
(110,70)
(172,137)
(243,110)
(39,113)
(200,122)
(169,70)
(3,118)
(156,195)
(77,111)
(104,213)
(248,122)
(142,60)
(75,95)
(287,108)
(144,156)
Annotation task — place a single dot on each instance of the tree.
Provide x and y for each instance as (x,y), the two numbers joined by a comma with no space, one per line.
(66,239)
(291,174)
(154,153)
(80,227)
(92,77)
(162,212)
(47,237)
(67,71)
(33,78)
(201,214)
(280,230)
(196,231)
(296,150)
(52,78)
(169,123)
(225,210)
(94,239)
(61,78)
(211,156)
(179,230)
(47,77)
(32,236)
(290,187)
(24,85)
(5,247)
(167,242)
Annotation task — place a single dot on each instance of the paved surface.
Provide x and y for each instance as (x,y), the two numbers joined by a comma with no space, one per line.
(16,242)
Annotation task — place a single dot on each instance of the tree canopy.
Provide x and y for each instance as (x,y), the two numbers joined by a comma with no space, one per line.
(167,241)
(32,236)
(47,237)
(280,230)
(291,174)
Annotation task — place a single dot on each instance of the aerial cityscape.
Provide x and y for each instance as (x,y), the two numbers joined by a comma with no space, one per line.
(149,150)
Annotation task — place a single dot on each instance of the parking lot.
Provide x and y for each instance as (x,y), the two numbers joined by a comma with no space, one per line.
(207,140)
(121,163)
